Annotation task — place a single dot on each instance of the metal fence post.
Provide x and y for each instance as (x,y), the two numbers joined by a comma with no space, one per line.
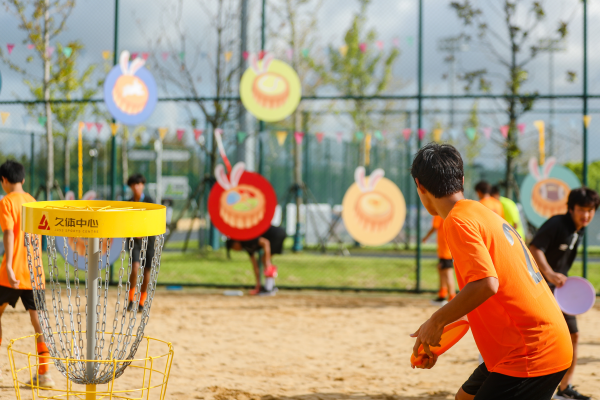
(32,165)
(113,150)
(419,124)
(585,130)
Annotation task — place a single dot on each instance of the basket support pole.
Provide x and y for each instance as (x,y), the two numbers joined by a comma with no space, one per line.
(92,303)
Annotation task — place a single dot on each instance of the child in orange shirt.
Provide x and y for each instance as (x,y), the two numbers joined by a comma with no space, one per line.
(444,263)
(15,280)
(517,325)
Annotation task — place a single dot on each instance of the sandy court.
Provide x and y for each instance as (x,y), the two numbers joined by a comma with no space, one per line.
(305,346)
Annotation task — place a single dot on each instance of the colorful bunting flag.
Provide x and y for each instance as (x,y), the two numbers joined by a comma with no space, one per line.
(410,40)
(521,127)
(319,136)
(504,131)
(261,54)
(31,46)
(89,126)
(471,133)
(487,132)
(182,56)
(362,47)
(437,134)
(289,53)
(245,55)
(305,53)
(299,136)
(586,120)
(162,132)
(396,42)
(114,128)
(359,135)
(406,133)
(344,50)
(145,56)
(281,136)
(42,120)
(241,136)
(180,133)
(67,51)
(4,116)
(228,55)
(10,48)
(99,126)
(197,133)
(339,136)
(539,124)
(379,44)
(378,135)
(134,55)
(106,54)
(421,133)
(50,51)
(165,55)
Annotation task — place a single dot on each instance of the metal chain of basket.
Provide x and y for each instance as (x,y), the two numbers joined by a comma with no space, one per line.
(65,336)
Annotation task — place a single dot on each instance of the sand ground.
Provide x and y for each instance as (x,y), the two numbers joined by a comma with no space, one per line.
(305,346)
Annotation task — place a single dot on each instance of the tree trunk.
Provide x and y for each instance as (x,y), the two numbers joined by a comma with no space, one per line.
(47,109)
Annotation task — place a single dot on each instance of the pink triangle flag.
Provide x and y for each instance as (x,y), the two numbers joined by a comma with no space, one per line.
(180,133)
(31,46)
(50,50)
(421,133)
(245,55)
(396,42)
(165,55)
(338,136)
(145,55)
(319,136)
(504,131)
(89,126)
(379,44)
(487,131)
(134,55)
(298,136)
(406,133)
(197,133)
(362,47)
(289,53)
(521,127)
(99,126)
(10,48)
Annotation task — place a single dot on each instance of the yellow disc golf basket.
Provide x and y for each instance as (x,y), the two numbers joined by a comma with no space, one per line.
(91,333)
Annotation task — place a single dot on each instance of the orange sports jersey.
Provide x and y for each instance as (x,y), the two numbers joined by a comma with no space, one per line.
(520,331)
(443,250)
(10,219)
(493,205)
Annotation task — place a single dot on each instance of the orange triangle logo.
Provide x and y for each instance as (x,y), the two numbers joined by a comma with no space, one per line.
(44,224)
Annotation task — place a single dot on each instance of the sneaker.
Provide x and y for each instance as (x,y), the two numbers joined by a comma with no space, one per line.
(440,301)
(130,307)
(570,393)
(46,381)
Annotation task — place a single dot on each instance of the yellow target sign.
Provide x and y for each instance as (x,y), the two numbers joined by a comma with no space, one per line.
(270,89)
(373,208)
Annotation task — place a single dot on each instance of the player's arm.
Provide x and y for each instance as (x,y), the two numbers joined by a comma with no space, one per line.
(9,249)
(472,295)
(429,234)
(556,278)
(266,246)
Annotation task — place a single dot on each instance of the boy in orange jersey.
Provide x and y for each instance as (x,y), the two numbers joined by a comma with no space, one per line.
(15,281)
(484,192)
(444,264)
(517,325)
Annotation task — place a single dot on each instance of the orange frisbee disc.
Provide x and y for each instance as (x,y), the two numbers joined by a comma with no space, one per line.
(452,334)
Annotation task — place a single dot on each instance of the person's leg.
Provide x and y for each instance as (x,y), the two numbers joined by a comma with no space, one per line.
(42,349)
(2,308)
(135,266)
(566,380)
(471,387)
(443,292)
(462,395)
(449,280)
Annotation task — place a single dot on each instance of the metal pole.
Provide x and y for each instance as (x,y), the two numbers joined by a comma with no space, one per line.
(92,317)
(241,147)
(408,182)
(113,151)
(158,148)
(419,124)
(261,124)
(585,131)
(32,164)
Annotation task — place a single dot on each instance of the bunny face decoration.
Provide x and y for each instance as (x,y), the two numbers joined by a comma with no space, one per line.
(270,89)
(242,204)
(373,208)
(130,92)
(545,190)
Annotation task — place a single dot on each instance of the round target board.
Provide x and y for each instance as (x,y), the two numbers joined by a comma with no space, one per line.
(241,205)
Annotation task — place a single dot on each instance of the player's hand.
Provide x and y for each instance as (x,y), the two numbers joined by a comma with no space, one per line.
(426,363)
(428,335)
(558,279)
(12,279)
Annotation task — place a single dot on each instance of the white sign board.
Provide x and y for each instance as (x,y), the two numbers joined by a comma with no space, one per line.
(173,187)
(150,155)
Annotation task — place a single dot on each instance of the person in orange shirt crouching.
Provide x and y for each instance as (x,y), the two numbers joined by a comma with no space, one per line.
(516,323)
(15,280)
(484,192)
(444,265)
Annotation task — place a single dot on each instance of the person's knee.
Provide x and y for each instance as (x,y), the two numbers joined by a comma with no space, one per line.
(575,337)
(462,395)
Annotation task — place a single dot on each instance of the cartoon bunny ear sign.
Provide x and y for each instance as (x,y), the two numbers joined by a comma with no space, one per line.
(534,169)
(550,163)
(236,173)
(359,178)
(222,177)
(375,177)
(254,63)
(124,62)
(266,62)
(136,65)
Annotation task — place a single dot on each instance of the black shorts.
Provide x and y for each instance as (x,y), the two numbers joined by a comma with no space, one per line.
(494,386)
(11,296)
(445,263)
(137,249)
(571,323)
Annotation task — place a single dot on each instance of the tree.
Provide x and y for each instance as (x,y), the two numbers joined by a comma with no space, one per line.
(512,49)
(593,173)
(360,72)
(42,20)
(66,83)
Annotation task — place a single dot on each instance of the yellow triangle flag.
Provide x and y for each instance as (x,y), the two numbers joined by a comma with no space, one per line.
(114,128)
(344,50)
(4,116)
(368,149)
(281,135)
(106,54)
(542,140)
(162,132)
(586,120)
(228,55)
(437,134)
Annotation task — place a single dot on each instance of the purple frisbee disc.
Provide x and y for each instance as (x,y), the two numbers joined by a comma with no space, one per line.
(576,296)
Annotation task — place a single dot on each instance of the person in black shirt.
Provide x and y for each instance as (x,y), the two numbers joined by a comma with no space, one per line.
(554,248)
(271,242)
(137,184)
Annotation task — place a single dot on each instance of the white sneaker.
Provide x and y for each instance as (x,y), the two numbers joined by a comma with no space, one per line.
(46,381)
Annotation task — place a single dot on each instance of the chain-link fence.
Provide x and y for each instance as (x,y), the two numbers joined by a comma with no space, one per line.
(395,74)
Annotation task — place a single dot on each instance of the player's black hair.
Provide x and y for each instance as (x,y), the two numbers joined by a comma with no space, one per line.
(582,197)
(135,179)
(495,190)
(483,187)
(12,171)
(439,168)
